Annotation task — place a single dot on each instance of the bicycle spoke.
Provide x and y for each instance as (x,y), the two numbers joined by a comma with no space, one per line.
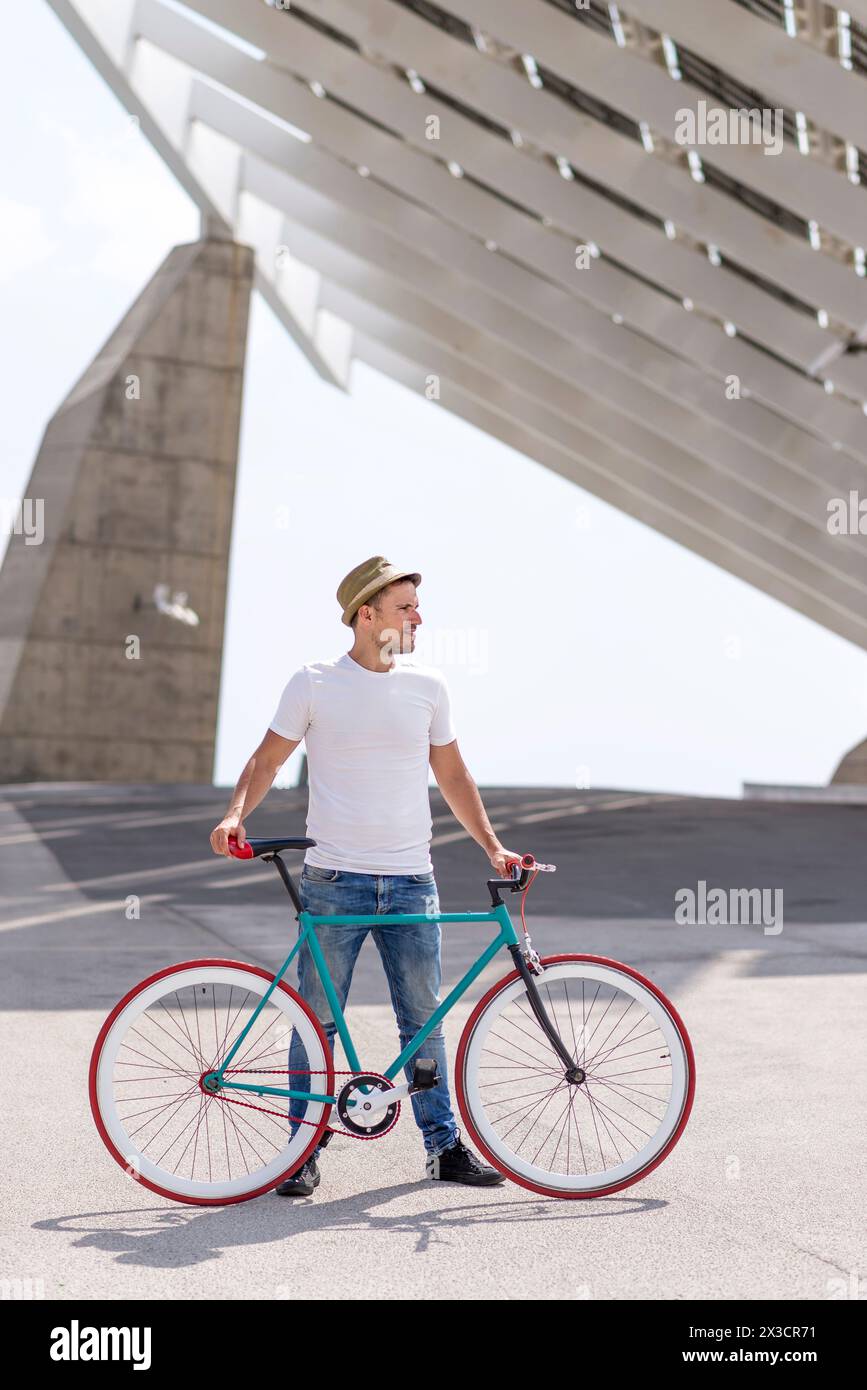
(528,1109)
(538,1036)
(152,1044)
(509,1043)
(634,1103)
(545,1140)
(526,1094)
(523,1065)
(538,1118)
(617,1105)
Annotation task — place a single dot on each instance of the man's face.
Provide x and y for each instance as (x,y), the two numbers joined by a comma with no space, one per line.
(396,619)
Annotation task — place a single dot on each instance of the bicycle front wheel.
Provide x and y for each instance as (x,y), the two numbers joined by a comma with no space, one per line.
(154,1114)
(581,1138)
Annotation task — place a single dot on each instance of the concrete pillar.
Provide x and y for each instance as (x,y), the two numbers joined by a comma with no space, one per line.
(853,768)
(135,483)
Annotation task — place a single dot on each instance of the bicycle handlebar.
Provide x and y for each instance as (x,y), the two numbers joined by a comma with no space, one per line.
(520,868)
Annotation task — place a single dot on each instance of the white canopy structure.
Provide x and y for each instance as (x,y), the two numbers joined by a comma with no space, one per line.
(495,202)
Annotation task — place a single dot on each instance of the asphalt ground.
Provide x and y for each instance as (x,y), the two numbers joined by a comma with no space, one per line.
(762,1198)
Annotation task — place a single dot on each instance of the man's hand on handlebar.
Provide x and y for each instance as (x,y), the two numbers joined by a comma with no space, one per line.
(229,825)
(523,868)
(501,859)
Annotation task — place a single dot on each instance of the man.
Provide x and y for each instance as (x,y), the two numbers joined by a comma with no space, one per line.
(372,725)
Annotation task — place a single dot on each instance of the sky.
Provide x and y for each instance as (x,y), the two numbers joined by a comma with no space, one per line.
(581,647)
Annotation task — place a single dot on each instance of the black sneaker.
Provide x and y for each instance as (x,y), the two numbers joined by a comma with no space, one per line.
(302,1183)
(459,1164)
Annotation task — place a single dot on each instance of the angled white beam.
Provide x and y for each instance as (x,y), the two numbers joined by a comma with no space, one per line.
(587,473)
(102,31)
(787,71)
(514,293)
(290,288)
(481,214)
(742,508)
(387,100)
(104,45)
(332,190)
(632,84)
(692,493)
(626,239)
(609,157)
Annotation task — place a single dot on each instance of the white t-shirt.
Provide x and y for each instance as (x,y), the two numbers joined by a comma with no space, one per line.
(368,737)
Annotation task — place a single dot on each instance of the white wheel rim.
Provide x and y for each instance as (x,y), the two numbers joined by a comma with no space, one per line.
(479,1047)
(139,1163)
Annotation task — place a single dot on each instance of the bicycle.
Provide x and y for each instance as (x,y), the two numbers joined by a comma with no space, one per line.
(173,1038)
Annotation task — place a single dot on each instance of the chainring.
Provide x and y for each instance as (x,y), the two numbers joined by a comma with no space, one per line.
(350,1114)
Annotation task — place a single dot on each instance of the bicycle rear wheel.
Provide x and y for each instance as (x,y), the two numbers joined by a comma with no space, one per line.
(155,1117)
(576,1139)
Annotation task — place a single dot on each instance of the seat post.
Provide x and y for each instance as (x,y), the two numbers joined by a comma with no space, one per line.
(287,879)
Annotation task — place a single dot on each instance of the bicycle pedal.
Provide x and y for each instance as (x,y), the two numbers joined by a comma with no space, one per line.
(424,1075)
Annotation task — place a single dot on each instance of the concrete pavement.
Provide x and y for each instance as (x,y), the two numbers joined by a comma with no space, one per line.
(760,1199)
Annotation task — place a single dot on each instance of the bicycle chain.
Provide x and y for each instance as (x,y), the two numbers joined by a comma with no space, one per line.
(319,1071)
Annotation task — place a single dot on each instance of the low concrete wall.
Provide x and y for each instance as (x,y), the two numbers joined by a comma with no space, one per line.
(843,792)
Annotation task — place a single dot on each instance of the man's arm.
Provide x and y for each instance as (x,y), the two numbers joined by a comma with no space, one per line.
(462,797)
(253,784)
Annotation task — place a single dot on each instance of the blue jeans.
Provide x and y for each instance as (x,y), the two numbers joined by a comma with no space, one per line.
(411,958)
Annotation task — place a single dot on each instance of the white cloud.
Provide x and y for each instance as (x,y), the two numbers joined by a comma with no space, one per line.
(24,240)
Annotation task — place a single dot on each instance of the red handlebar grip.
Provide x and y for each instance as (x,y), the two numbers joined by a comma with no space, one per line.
(244,852)
(527,861)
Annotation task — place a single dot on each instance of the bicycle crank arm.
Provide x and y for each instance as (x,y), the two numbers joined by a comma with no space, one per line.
(424,1077)
(539,1010)
(378,1101)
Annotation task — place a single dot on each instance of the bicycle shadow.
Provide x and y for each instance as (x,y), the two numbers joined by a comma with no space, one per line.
(179,1237)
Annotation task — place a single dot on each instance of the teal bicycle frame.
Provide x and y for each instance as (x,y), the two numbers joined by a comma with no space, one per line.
(506,936)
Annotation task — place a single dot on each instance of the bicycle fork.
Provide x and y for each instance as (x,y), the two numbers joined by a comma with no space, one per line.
(573,1072)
